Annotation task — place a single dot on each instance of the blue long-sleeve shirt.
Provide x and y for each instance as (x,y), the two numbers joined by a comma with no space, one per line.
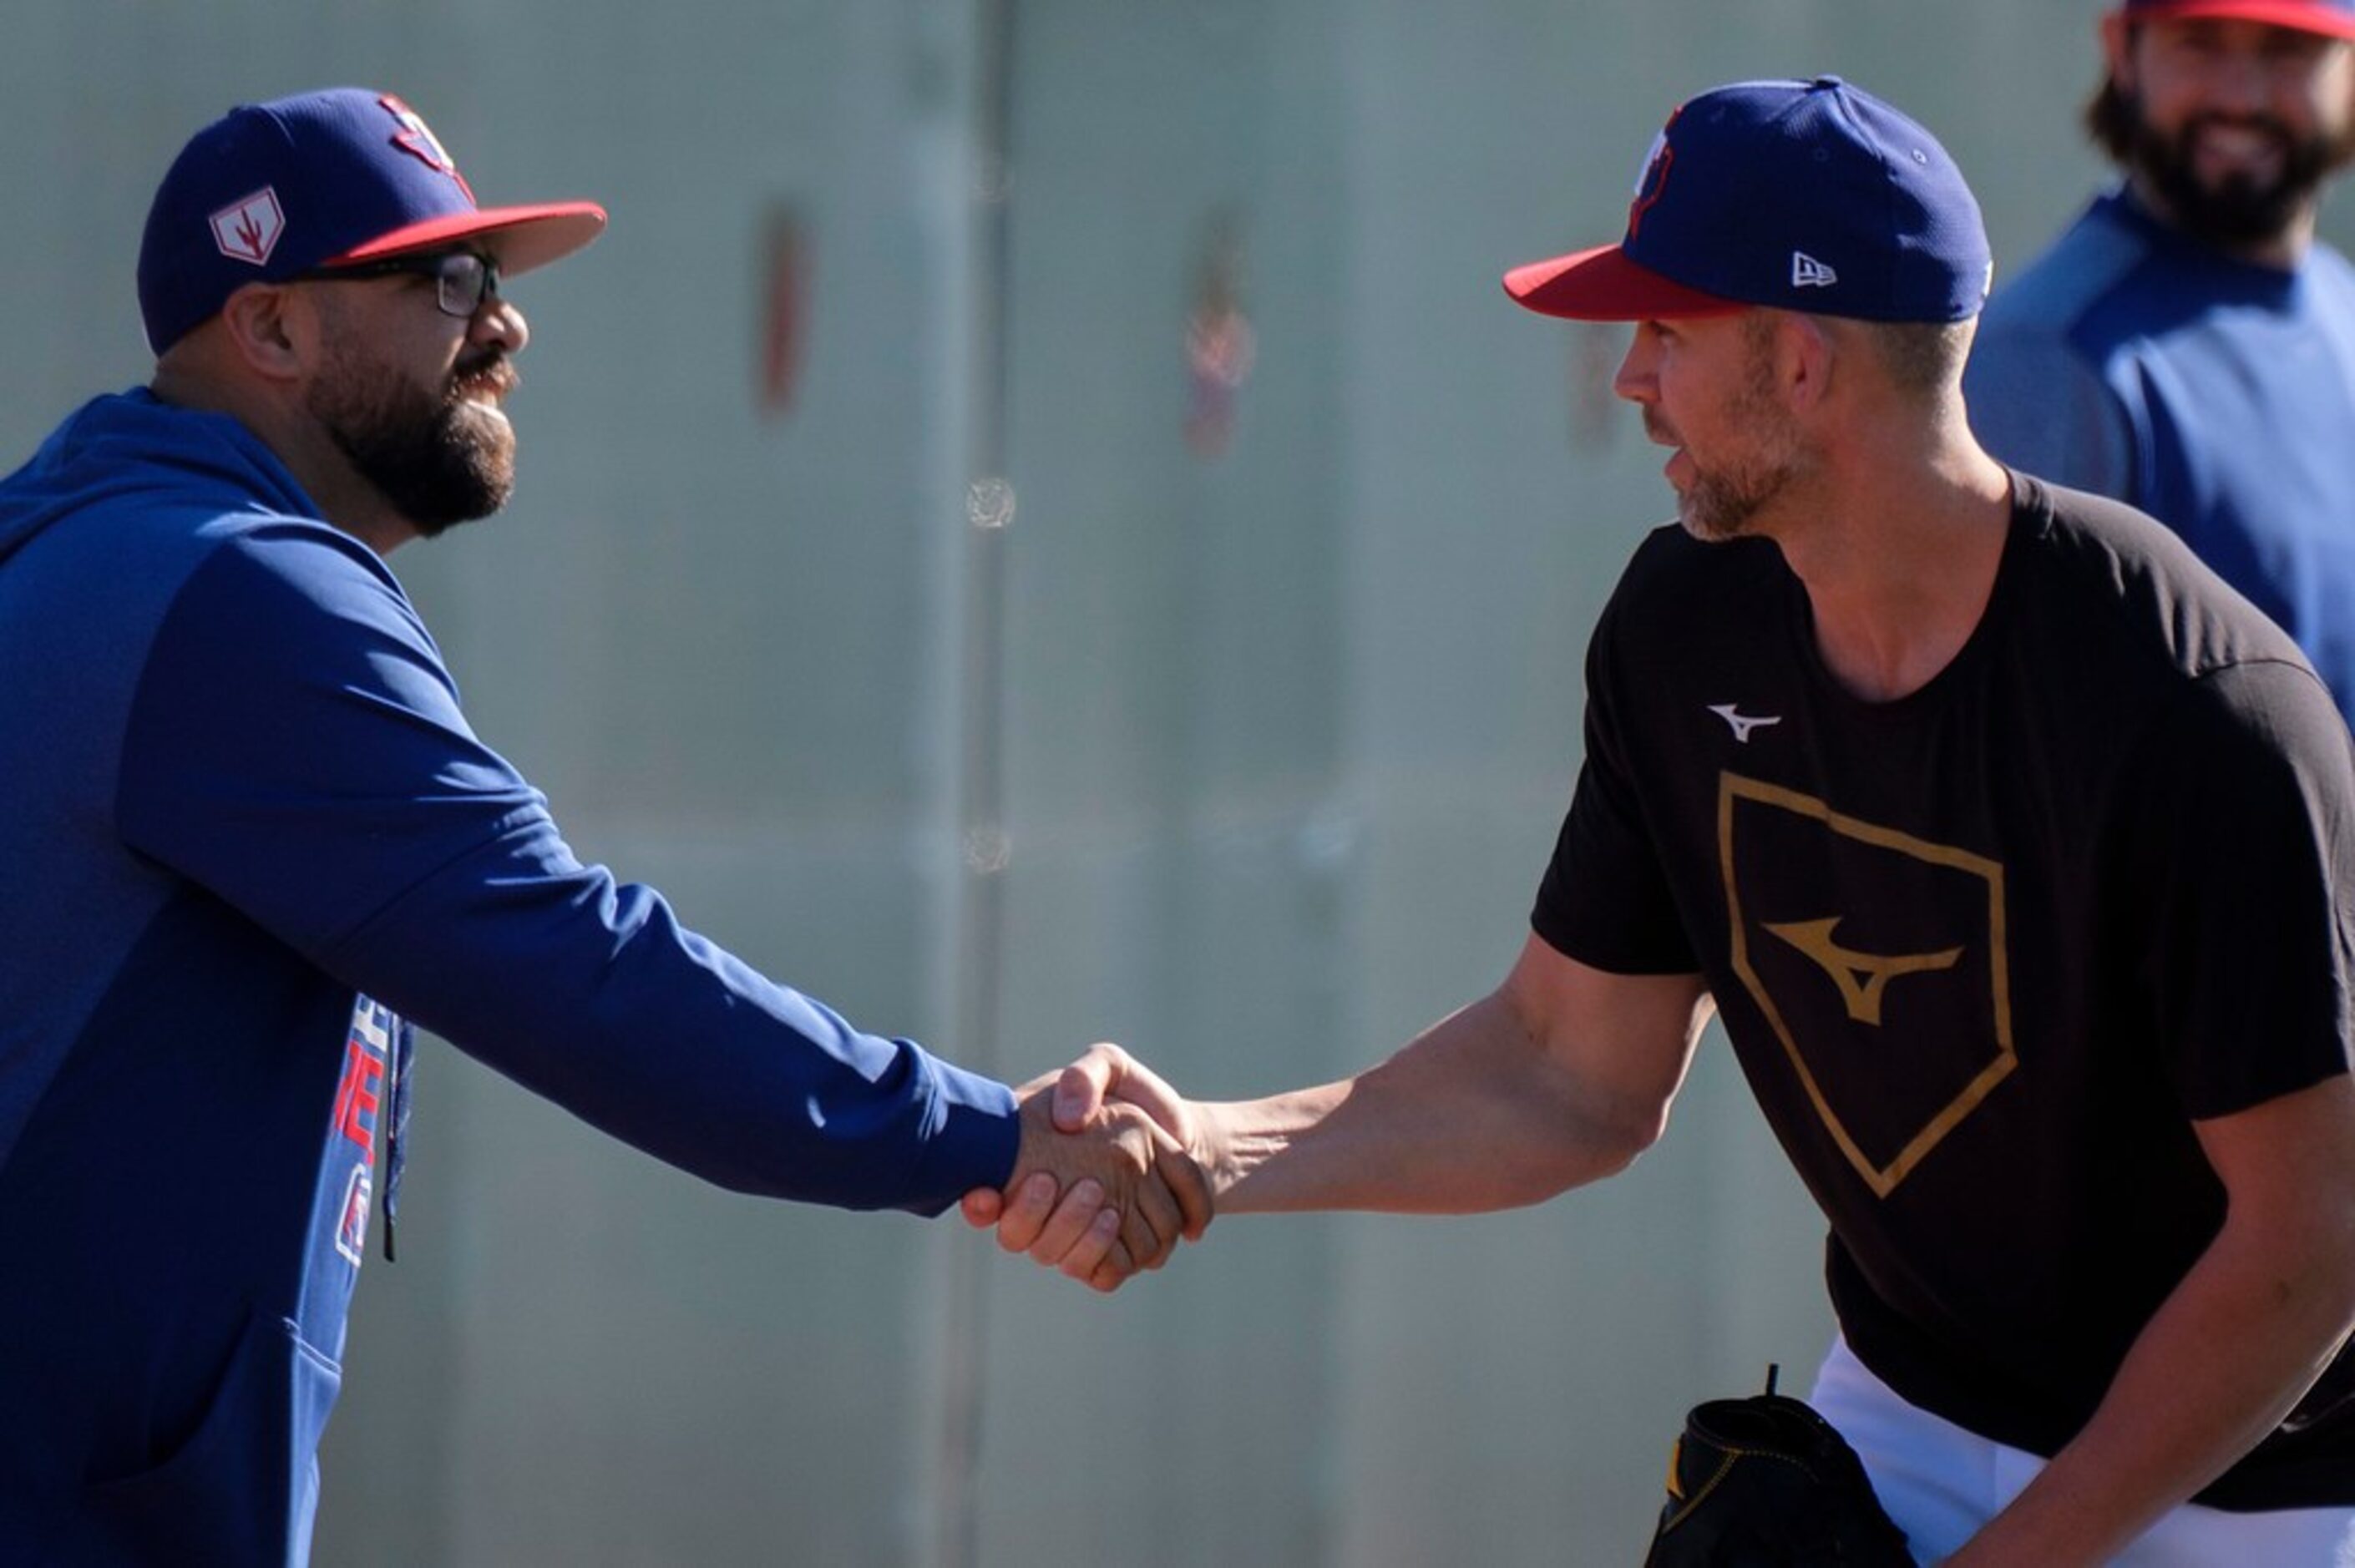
(246,838)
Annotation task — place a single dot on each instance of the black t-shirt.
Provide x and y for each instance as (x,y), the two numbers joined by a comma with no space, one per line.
(1986,951)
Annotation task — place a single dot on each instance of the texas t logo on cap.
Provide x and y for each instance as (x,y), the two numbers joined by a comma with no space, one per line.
(417,139)
(1653,177)
(247,230)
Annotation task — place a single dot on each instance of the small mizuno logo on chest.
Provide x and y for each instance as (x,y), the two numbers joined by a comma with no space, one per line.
(1740,723)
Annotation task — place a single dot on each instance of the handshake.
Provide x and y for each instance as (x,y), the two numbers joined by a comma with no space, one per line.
(1110,1174)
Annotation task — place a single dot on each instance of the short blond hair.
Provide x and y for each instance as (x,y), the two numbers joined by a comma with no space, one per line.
(1922,356)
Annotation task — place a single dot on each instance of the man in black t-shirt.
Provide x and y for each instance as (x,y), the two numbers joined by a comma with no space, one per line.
(2016,850)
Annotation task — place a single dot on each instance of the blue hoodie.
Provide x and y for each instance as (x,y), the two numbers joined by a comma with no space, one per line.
(246,838)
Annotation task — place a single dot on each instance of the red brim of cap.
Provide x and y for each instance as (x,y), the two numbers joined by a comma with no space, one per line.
(1603,285)
(520,237)
(2304,18)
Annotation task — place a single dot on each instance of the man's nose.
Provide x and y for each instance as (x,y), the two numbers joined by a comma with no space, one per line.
(1637,378)
(2238,83)
(499,323)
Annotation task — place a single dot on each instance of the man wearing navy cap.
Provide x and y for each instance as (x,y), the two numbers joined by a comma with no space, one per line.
(2187,344)
(2016,851)
(248,839)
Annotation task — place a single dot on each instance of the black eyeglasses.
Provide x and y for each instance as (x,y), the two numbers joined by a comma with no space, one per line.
(464,279)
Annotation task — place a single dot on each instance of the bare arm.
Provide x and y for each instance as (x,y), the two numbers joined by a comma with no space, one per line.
(1561,1075)
(2227,1354)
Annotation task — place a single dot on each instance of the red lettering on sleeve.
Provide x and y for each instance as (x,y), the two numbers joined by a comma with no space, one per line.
(356,1096)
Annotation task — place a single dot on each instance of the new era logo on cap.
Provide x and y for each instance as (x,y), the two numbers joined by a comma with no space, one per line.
(247,230)
(1806,272)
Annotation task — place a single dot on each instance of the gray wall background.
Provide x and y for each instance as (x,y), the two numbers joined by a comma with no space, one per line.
(1250,762)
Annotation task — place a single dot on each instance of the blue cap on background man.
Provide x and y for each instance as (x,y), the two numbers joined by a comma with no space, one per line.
(1805,196)
(273,190)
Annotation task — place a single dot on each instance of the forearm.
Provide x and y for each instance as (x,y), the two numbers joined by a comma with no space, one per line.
(1561,1075)
(1473,1115)
(593,996)
(2218,1367)
(297,750)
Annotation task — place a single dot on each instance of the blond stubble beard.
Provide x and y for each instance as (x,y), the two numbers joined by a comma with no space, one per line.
(1726,502)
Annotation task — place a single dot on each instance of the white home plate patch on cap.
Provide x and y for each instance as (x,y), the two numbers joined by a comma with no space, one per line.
(247,230)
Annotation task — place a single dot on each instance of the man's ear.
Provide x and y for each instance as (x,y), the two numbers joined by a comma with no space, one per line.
(271,331)
(2118,49)
(1805,356)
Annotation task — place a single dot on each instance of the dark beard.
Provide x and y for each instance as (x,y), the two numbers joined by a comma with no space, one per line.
(439,464)
(2240,211)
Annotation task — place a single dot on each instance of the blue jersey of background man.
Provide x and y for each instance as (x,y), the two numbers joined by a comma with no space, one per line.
(2216,395)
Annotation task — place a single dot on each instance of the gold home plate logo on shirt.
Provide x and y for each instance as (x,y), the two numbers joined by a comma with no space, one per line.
(1878,961)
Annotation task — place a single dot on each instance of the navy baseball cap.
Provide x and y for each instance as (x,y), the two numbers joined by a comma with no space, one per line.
(2334,17)
(346,175)
(1806,195)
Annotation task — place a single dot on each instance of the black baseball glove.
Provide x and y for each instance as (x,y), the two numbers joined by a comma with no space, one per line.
(1766,1482)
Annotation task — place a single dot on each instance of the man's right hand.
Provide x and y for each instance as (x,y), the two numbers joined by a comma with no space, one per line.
(1105,1182)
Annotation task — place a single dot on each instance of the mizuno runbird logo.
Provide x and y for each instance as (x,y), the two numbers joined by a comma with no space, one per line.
(1862,978)
(1740,723)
